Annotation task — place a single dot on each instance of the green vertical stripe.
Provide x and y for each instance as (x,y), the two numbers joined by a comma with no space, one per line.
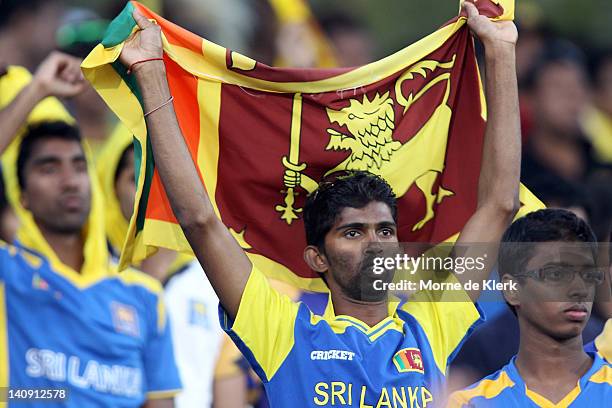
(146,188)
(130,81)
(120,28)
(400,361)
(118,31)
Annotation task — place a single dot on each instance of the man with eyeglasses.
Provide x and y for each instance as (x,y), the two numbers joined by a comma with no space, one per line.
(552,255)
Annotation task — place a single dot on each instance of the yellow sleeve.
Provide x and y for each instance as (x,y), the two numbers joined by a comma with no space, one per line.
(264,327)
(445,323)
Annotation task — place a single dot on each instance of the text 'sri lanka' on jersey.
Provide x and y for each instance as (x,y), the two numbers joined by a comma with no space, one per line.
(328,360)
(108,342)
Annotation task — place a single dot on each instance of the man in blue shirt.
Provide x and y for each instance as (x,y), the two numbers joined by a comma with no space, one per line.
(102,345)
(68,320)
(552,255)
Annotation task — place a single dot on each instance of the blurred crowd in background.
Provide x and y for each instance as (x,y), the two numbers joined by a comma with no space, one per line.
(565,80)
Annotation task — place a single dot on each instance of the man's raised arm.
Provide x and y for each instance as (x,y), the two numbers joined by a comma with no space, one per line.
(498,186)
(224,261)
(58,75)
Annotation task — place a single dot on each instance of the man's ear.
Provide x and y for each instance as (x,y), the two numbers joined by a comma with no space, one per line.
(316,260)
(511,290)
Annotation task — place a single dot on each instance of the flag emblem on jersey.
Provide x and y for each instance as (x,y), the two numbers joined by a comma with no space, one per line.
(198,315)
(264,137)
(39,283)
(409,360)
(125,319)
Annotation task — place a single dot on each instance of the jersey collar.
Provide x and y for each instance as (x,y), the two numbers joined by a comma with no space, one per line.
(541,401)
(341,322)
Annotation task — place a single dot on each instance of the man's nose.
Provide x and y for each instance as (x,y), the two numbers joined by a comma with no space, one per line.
(374,245)
(578,289)
(71,179)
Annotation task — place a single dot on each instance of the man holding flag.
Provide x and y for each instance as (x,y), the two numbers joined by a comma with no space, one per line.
(365,351)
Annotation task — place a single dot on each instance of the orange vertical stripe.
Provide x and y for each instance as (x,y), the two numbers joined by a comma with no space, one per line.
(184,88)
(174,34)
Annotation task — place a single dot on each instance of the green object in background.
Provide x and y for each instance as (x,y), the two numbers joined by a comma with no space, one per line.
(80,30)
(83,32)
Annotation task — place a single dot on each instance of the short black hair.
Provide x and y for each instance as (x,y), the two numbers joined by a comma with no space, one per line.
(123,161)
(41,131)
(11,8)
(354,189)
(547,225)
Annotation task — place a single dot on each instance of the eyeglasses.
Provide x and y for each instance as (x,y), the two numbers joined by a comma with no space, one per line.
(564,274)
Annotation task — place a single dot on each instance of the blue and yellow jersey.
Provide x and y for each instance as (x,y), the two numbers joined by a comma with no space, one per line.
(108,343)
(100,334)
(309,360)
(506,389)
(602,344)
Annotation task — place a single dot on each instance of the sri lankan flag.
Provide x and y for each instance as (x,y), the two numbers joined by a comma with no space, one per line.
(262,137)
(409,359)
